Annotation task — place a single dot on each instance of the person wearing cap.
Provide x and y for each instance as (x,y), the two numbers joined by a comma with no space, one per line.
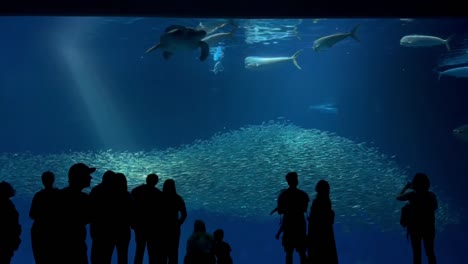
(74,215)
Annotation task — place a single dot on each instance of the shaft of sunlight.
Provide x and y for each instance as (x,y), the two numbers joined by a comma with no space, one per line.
(93,87)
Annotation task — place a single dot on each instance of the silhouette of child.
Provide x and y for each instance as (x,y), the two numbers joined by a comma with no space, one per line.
(221,249)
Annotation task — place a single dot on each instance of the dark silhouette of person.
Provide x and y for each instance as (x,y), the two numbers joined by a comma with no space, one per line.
(44,212)
(74,215)
(147,220)
(99,203)
(221,249)
(292,205)
(173,216)
(10,228)
(421,220)
(200,246)
(280,229)
(321,237)
(111,208)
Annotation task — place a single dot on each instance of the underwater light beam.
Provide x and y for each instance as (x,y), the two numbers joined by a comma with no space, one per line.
(91,86)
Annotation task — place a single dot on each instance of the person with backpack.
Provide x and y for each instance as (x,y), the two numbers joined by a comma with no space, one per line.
(418,216)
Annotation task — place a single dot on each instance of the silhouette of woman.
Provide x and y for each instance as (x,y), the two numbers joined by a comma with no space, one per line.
(321,238)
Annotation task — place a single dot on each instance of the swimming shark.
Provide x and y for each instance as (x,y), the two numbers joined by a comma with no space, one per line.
(254,62)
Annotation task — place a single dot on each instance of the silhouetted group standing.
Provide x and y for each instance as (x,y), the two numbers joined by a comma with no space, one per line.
(58,233)
(315,243)
(60,217)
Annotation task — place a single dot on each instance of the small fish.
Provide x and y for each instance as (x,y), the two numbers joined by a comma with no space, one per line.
(316,20)
(415,41)
(218,53)
(325,108)
(461,132)
(211,26)
(406,19)
(331,40)
(218,67)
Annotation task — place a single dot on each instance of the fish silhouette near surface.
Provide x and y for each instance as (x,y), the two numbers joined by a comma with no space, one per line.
(416,41)
(255,62)
(330,40)
(178,38)
(458,72)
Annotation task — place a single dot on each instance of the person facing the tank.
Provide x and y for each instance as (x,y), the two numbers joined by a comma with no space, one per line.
(292,204)
(420,222)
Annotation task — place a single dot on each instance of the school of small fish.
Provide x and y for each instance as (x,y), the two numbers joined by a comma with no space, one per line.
(241,172)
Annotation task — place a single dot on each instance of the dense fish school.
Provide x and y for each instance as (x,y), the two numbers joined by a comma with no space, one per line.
(241,172)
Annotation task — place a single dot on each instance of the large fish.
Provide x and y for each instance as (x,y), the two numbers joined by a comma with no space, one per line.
(179,38)
(459,72)
(331,40)
(254,62)
(424,41)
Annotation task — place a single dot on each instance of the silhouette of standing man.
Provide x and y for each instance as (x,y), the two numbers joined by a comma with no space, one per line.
(292,204)
(44,211)
(74,215)
(422,204)
(147,221)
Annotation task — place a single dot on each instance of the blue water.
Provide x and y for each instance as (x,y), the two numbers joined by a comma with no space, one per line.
(85,84)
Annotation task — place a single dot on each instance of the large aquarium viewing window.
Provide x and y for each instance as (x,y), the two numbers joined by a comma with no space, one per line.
(227,107)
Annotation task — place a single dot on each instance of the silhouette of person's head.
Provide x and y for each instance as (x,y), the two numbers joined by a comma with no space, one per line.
(421,182)
(48,179)
(121,181)
(218,235)
(199,226)
(169,186)
(108,177)
(322,188)
(292,180)
(6,190)
(152,179)
(79,175)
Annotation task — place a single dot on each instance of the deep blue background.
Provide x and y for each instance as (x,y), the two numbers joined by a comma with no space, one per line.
(385,93)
